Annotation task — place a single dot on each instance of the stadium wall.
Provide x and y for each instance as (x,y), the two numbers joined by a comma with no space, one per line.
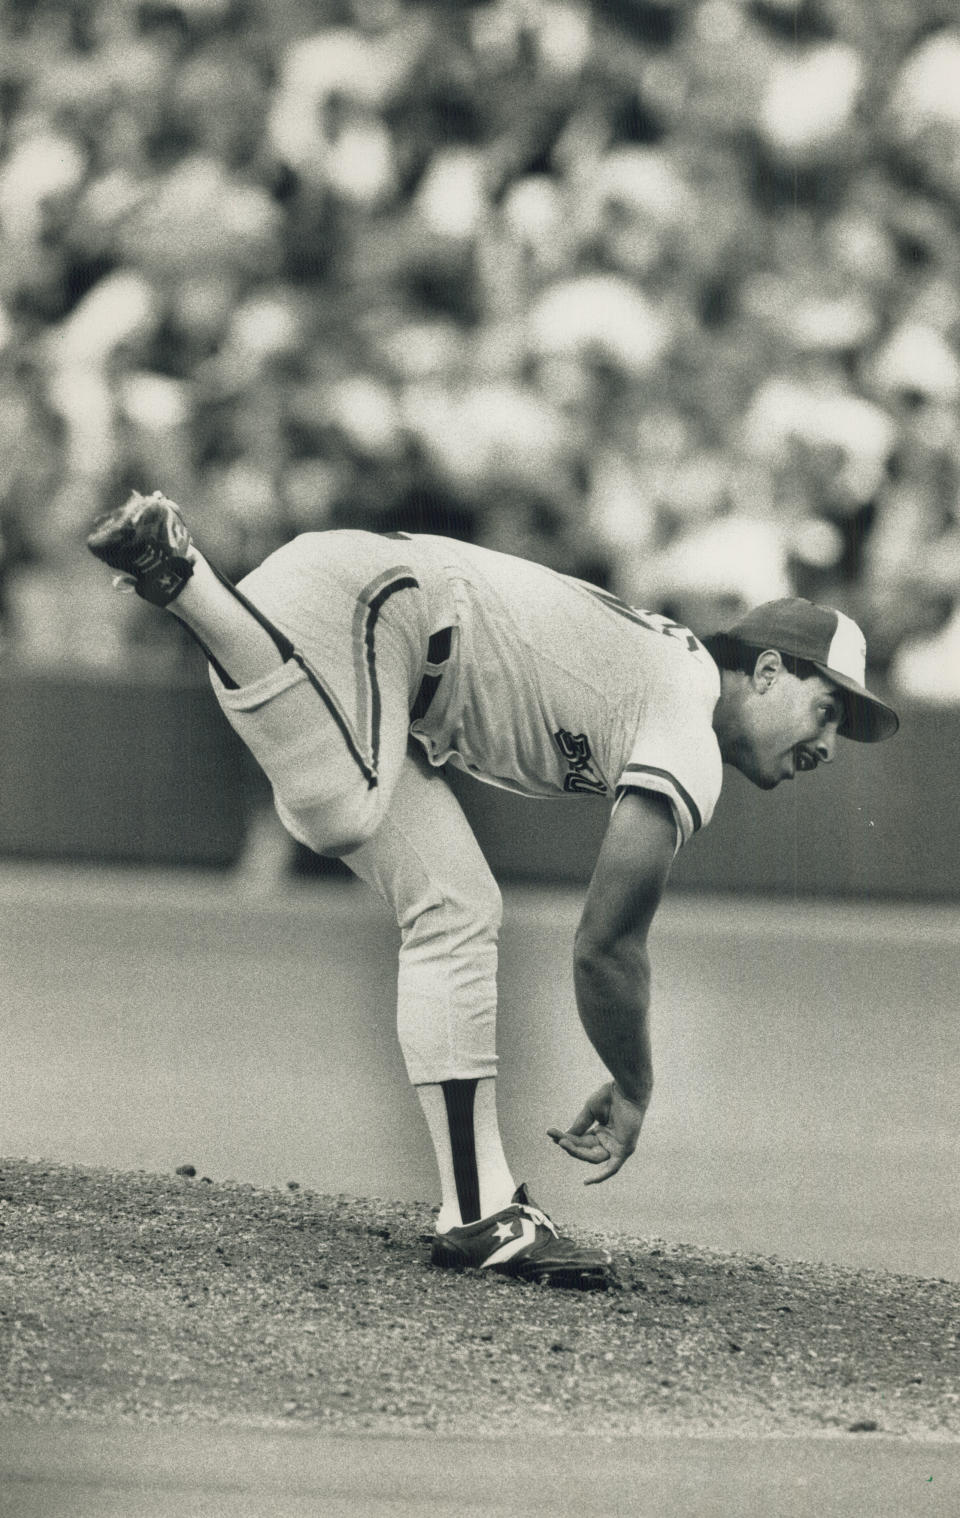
(147,771)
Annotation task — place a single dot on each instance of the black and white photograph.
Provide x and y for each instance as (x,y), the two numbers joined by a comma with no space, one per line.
(480,675)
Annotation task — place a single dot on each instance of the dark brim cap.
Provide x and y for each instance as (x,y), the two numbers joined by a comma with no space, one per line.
(834,644)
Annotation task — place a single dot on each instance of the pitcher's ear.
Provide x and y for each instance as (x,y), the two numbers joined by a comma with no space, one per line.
(767,669)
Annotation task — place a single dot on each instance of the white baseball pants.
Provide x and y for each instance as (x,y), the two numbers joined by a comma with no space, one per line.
(331,732)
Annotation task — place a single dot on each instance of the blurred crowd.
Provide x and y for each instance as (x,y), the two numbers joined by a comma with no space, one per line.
(663,293)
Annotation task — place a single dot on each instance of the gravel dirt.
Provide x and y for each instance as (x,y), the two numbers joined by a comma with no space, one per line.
(183,1298)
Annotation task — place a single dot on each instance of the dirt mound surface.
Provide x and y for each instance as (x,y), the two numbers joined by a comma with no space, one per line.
(183,1298)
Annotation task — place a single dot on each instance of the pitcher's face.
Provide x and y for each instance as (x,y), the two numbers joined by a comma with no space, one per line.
(789,725)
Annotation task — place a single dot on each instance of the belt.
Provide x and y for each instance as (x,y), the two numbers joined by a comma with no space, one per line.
(438,652)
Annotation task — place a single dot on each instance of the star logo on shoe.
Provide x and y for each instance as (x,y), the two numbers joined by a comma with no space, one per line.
(503,1232)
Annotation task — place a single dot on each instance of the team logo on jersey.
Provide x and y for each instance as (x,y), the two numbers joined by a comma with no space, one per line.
(584,776)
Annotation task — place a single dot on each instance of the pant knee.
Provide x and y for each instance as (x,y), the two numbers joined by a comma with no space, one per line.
(331,825)
(468,914)
(322,791)
(484,908)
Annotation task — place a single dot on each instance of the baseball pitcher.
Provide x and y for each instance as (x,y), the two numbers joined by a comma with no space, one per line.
(356,666)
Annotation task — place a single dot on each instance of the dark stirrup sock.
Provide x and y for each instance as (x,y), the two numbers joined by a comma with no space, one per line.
(459,1097)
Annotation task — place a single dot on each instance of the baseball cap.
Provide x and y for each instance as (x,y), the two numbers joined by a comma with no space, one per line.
(834,644)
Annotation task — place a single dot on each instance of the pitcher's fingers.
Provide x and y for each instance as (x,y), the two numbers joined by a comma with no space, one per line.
(584,1120)
(573,1132)
(614,1163)
(571,1144)
(586,1147)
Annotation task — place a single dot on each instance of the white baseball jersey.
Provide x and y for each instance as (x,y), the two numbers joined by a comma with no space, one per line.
(555,688)
(525,678)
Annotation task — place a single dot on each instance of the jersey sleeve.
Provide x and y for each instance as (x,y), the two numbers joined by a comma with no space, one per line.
(675,753)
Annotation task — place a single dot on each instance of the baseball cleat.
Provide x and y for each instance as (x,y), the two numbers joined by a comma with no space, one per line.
(148,541)
(521,1241)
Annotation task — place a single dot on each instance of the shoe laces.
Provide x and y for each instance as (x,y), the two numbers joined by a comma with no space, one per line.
(537,1216)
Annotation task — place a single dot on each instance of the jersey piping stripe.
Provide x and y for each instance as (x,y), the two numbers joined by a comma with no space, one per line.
(288,651)
(405,582)
(341,722)
(685,797)
(367,767)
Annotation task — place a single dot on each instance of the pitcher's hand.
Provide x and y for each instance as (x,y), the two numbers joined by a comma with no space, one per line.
(604,1132)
